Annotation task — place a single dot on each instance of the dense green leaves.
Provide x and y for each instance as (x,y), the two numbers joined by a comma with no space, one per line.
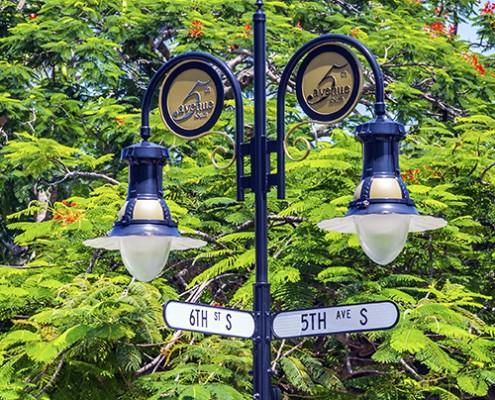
(74,326)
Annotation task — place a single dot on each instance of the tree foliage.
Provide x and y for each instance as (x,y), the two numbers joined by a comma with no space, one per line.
(72,323)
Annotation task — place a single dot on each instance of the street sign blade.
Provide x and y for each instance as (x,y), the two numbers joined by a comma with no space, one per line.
(208,319)
(339,319)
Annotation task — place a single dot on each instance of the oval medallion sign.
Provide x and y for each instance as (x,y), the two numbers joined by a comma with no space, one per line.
(191,99)
(329,83)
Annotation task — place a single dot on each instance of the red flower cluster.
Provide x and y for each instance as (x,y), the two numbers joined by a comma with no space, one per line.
(66,203)
(196,29)
(473,60)
(413,175)
(299,26)
(67,215)
(438,28)
(489,8)
(246,33)
(247,29)
(431,171)
(355,32)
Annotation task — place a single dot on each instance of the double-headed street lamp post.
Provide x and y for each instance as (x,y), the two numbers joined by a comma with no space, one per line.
(328,86)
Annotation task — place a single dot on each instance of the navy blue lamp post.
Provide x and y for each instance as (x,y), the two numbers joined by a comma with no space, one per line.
(381,213)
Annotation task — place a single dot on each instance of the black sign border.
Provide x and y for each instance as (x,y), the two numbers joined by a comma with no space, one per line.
(356,91)
(165,92)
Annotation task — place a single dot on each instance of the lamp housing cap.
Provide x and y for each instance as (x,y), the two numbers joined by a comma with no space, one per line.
(380,126)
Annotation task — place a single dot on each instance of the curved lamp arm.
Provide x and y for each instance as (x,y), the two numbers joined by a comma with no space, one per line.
(284,82)
(239,109)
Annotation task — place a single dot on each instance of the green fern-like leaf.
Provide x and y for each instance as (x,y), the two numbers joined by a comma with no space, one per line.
(294,295)
(236,237)
(286,274)
(442,393)
(427,309)
(449,330)
(437,359)
(297,375)
(385,354)
(400,279)
(226,392)
(241,261)
(472,384)
(408,339)
(128,357)
(398,296)
(195,392)
(329,274)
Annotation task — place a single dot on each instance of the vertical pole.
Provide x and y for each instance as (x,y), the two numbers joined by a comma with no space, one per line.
(259,173)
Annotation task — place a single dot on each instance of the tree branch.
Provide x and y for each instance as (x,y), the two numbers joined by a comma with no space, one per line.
(43,372)
(455,112)
(348,363)
(291,350)
(485,171)
(94,258)
(158,359)
(194,296)
(411,370)
(374,372)
(208,238)
(248,224)
(71,174)
(21,4)
(52,379)
(347,6)
(23,266)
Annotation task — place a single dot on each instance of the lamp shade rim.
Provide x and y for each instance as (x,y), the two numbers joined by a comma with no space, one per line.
(421,223)
(113,242)
(417,223)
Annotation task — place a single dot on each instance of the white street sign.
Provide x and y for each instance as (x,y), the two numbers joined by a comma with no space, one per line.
(208,319)
(339,319)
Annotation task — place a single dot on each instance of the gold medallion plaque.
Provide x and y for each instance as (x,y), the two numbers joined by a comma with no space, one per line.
(191,99)
(329,83)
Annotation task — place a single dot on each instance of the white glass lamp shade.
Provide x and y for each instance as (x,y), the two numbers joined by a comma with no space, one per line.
(145,256)
(382,236)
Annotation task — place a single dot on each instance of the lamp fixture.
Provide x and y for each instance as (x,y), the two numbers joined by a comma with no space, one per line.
(144,231)
(381,213)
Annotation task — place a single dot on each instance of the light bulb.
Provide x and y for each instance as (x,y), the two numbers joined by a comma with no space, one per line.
(145,256)
(382,236)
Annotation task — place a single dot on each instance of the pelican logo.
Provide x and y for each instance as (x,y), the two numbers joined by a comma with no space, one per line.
(329,83)
(191,99)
